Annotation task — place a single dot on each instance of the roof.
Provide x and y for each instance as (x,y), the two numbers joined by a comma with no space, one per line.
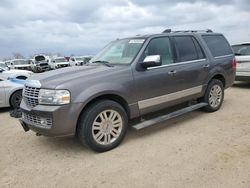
(169,32)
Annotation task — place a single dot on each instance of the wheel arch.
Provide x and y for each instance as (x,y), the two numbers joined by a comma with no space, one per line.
(219,77)
(109,96)
(22,77)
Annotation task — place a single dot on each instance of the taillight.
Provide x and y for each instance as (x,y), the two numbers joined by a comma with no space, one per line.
(234,63)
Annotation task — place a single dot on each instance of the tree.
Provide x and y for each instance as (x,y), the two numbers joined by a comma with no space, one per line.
(18,55)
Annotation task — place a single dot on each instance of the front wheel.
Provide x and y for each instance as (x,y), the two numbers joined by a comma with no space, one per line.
(15,99)
(214,96)
(103,125)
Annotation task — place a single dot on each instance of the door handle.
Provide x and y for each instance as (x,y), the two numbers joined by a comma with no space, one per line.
(172,72)
(206,66)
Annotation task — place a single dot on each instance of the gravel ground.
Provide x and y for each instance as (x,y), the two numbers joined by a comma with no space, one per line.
(196,150)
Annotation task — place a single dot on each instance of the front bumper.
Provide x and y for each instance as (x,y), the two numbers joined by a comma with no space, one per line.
(242,76)
(54,121)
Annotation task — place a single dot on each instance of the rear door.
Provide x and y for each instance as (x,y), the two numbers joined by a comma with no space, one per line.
(191,65)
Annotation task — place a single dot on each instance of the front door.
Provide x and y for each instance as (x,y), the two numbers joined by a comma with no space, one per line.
(155,86)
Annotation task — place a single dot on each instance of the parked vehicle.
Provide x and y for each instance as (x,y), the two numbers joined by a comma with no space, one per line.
(13,73)
(242,54)
(22,64)
(10,92)
(3,65)
(79,60)
(130,79)
(40,63)
(59,62)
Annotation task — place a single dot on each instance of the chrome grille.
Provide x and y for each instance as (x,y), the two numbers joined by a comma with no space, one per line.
(30,96)
(43,122)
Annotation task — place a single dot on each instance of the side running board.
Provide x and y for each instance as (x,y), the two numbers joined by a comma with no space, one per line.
(159,119)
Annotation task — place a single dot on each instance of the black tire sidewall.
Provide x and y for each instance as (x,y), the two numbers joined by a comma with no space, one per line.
(213,82)
(84,130)
(13,98)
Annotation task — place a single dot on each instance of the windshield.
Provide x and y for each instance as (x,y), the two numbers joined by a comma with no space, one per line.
(59,60)
(119,52)
(243,49)
(21,62)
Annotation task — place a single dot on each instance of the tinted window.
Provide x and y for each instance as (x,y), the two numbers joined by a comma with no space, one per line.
(160,46)
(218,45)
(185,47)
(199,50)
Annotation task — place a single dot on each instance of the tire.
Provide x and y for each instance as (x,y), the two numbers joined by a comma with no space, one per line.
(214,96)
(15,99)
(102,126)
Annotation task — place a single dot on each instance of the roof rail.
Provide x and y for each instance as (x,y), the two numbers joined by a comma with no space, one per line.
(187,31)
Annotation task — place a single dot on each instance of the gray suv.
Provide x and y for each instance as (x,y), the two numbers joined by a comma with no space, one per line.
(126,83)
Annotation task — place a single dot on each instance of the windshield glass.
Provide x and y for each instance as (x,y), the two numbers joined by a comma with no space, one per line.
(243,49)
(21,62)
(119,51)
(59,60)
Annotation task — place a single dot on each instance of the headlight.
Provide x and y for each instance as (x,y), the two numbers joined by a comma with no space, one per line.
(54,97)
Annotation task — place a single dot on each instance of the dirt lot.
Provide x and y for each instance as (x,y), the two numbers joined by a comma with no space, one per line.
(196,150)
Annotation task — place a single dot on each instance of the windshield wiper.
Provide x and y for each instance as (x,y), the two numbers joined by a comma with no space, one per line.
(103,62)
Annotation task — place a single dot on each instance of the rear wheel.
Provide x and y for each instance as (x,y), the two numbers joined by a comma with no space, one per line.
(15,99)
(214,96)
(103,125)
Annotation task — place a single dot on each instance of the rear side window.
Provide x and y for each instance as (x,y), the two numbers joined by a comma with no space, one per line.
(187,48)
(218,45)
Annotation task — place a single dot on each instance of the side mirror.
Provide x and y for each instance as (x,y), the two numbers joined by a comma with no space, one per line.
(152,61)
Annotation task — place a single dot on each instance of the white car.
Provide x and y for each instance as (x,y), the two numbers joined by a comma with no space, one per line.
(79,60)
(242,54)
(13,73)
(58,62)
(22,64)
(11,92)
(40,63)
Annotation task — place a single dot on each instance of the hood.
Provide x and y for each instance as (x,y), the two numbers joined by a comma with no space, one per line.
(55,78)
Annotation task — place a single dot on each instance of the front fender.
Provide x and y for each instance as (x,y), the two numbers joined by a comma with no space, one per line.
(98,90)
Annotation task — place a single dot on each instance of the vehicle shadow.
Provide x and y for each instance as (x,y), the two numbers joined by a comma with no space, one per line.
(73,146)
(175,122)
(244,85)
(4,110)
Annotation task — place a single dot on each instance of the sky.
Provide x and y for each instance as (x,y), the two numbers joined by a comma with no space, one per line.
(84,27)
